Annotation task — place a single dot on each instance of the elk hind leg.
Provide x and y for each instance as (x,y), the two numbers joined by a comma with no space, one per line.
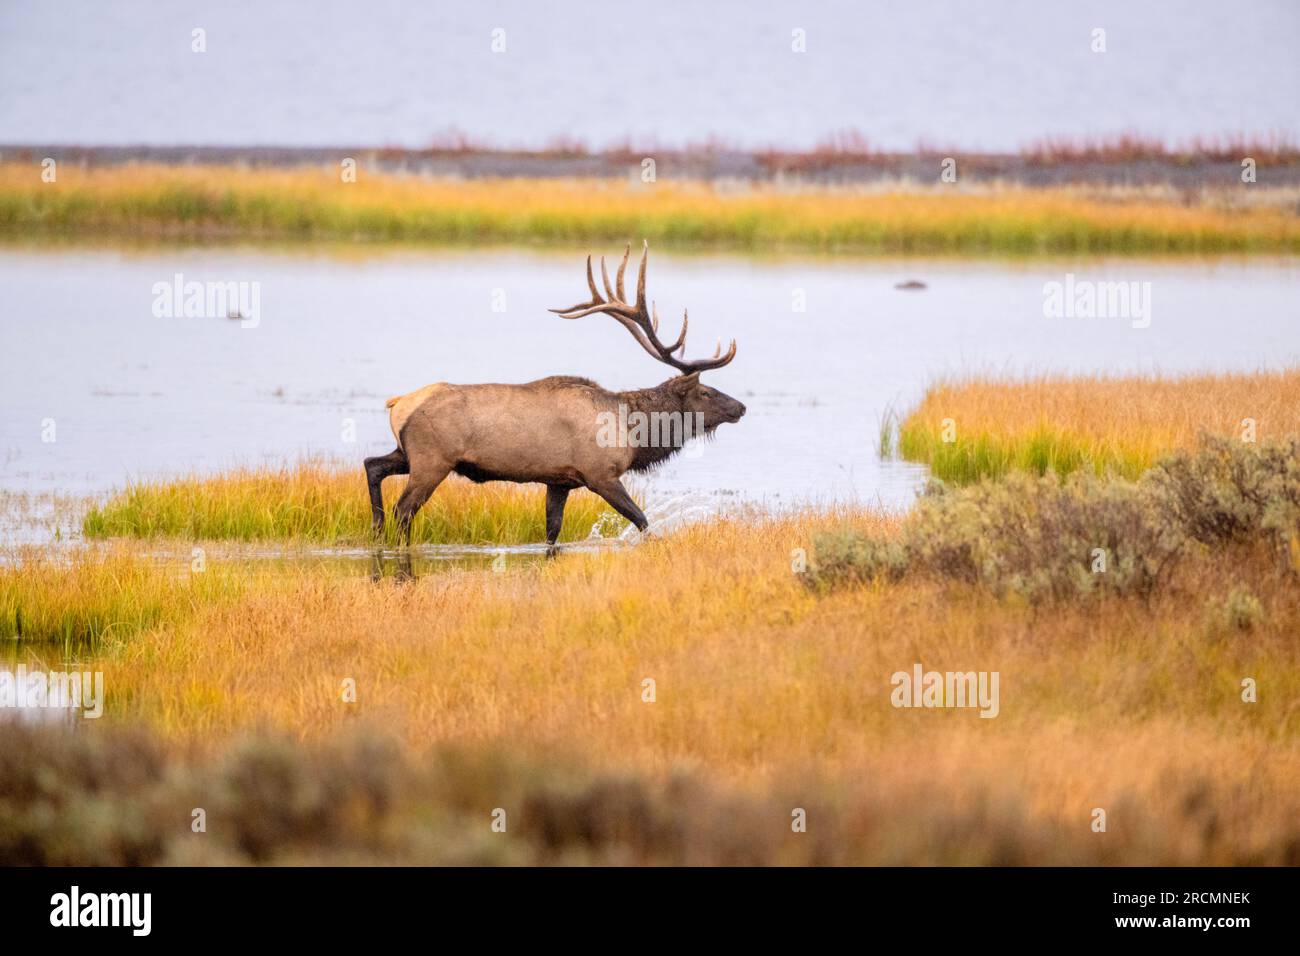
(377,469)
(425,479)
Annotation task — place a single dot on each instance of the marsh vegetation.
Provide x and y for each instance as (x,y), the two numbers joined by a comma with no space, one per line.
(769,695)
(321,502)
(981,427)
(768,635)
(301,204)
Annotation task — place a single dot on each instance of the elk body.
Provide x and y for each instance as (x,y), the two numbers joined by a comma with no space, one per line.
(564,432)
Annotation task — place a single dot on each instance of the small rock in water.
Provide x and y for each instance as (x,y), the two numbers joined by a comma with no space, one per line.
(910,284)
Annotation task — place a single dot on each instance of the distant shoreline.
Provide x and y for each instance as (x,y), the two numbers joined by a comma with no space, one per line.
(1111,165)
(326,201)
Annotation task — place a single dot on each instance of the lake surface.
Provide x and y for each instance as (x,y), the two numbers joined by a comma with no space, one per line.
(125,394)
(991,75)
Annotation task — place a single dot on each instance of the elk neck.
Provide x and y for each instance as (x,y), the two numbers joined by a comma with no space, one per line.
(648,401)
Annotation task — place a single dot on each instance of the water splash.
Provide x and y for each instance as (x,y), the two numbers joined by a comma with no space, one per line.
(666,515)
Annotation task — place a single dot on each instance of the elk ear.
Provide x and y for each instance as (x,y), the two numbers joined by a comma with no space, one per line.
(685,384)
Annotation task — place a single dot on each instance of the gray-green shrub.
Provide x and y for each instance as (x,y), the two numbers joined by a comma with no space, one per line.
(1227,490)
(1044,538)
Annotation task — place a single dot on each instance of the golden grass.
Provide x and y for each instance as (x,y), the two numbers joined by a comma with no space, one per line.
(762,684)
(326,503)
(1103,423)
(315,204)
(86,596)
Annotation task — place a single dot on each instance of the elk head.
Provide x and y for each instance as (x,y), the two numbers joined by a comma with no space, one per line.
(716,407)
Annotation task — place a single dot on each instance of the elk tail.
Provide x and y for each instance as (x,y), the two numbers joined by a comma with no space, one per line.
(392,401)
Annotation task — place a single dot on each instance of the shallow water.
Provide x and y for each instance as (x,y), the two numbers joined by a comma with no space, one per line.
(98,391)
(991,75)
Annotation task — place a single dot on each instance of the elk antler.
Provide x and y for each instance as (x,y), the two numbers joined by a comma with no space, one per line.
(643,325)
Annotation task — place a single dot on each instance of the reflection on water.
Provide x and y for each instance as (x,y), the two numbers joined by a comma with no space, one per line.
(68,655)
(50,684)
(408,564)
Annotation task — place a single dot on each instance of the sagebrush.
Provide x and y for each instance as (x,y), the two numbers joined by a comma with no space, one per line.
(1052,538)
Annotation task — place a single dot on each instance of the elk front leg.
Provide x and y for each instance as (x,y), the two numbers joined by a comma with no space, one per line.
(377,469)
(556,496)
(618,498)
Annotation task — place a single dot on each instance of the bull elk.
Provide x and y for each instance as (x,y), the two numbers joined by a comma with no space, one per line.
(555,431)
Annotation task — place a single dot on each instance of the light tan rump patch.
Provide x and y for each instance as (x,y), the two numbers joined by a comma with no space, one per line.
(403,406)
